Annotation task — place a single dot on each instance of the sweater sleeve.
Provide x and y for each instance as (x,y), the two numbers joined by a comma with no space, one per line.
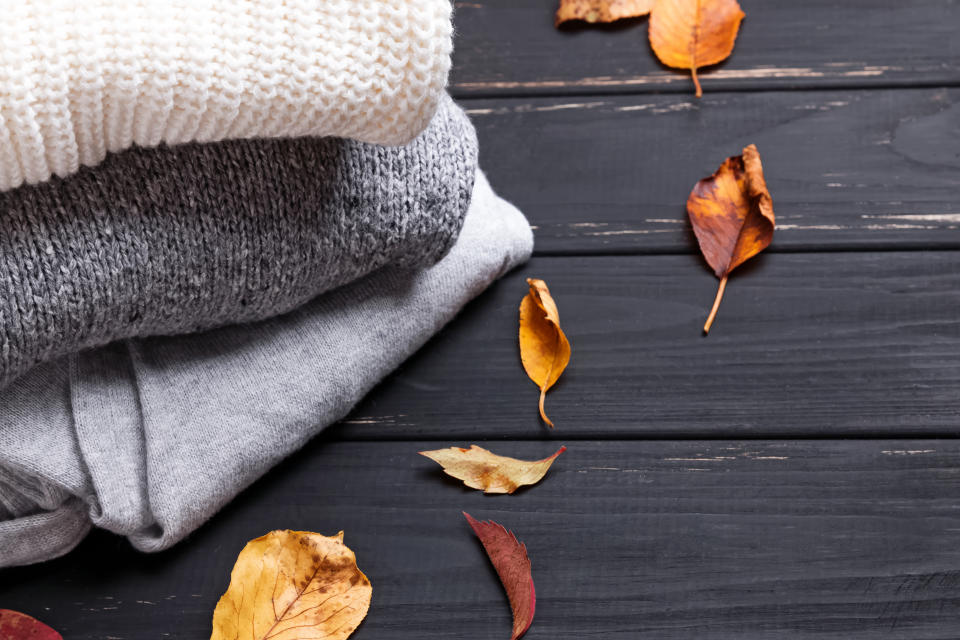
(80,79)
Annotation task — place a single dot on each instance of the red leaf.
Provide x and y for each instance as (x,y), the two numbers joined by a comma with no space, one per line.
(509,558)
(19,626)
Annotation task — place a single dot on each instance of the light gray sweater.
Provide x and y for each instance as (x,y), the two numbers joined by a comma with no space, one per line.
(148,438)
(173,240)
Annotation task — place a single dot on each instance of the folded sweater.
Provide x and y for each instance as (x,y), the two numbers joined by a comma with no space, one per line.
(178,239)
(78,79)
(148,438)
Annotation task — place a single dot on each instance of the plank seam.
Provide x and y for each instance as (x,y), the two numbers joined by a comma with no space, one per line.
(907,248)
(679,437)
(464,95)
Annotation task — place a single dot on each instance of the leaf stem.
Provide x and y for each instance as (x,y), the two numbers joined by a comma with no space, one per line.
(716,305)
(696,82)
(543,393)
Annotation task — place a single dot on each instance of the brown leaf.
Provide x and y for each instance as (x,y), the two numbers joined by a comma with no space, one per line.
(601,10)
(480,469)
(732,216)
(509,558)
(19,626)
(544,349)
(689,34)
(293,580)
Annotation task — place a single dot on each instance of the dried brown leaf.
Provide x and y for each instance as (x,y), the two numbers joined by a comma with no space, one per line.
(732,217)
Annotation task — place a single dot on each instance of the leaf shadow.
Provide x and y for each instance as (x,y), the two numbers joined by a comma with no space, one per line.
(437,473)
(491,571)
(579,26)
(432,475)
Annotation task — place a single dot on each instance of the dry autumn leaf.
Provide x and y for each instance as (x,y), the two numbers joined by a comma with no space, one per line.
(19,626)
(601,10)
(509,558)
(293,580)
(480,469)
(689,34)
(544,349)
(732,217)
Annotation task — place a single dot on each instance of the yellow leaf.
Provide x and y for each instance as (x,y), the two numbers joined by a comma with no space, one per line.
(480,469)
(544,348)
(689,34)
(293,580)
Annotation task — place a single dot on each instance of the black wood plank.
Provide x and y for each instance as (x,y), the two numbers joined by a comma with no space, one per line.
(846,169)
(511,47)
(722,539)
(804,344)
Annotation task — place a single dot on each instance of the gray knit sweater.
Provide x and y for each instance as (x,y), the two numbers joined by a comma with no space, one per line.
(178,239)
(148,438)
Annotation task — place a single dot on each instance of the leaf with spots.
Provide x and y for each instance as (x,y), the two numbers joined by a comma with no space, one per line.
(480,469)
(19,626)
(509,558)
(689,34)
(544,349)
(732,217)
(293,585)
(601,10)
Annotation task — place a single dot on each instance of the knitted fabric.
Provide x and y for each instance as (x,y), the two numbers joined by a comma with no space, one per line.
(178,239)
(149,438)
(79,79)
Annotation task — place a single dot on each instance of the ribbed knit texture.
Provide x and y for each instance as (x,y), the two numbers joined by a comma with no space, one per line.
(178,239)
(149,438)
(81,78)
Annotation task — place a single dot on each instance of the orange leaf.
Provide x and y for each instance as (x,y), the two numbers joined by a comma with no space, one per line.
(732,216)
(601,10)
(289,580)
(544,349)
(689,34)
(509,558)
(19,626)
(480,469)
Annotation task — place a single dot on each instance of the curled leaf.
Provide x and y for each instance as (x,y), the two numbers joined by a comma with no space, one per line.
(293,584)
(544,349)
(601,10)
(19,626)
(689,34)
(509,558)
(480,469)
(732,217)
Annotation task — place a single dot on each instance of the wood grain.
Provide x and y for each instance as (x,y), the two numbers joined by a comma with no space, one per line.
(804,345)
(506,47)
(720,539)
(847,170)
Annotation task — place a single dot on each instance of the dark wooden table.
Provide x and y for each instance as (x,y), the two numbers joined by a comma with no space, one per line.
(794,475)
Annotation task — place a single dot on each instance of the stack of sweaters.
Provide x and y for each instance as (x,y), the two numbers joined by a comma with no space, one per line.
(221,223)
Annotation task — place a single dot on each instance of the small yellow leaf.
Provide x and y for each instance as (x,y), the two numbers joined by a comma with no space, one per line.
(544,349)
(293,580)
(480,469)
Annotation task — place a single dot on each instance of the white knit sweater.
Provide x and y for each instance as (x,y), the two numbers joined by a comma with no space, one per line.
(79,78)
